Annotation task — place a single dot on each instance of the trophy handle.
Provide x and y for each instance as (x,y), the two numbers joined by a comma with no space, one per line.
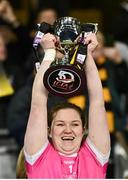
(89,27)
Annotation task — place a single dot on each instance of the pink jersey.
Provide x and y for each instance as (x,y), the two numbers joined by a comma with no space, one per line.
(87,163)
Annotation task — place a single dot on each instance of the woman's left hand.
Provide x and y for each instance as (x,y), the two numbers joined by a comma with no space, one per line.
(91,41)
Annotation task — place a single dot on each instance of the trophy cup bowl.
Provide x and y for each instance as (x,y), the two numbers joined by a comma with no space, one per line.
(67,29)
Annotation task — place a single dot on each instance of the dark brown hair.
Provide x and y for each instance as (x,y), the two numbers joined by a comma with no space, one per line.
(65,105)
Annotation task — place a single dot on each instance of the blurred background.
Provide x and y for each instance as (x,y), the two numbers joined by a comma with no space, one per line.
(18,21)
(100,11)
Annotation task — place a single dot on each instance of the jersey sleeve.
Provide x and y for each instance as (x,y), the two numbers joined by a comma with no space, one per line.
(101,158)
(31,159)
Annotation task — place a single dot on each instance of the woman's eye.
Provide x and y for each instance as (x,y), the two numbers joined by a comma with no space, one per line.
(75,124)
(60,124)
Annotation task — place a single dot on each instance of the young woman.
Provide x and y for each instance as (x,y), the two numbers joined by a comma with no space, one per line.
(67,155)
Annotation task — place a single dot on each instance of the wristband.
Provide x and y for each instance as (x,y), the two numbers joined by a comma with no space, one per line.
(50,55)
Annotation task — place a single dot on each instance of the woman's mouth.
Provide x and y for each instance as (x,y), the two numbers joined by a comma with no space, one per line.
(67,138)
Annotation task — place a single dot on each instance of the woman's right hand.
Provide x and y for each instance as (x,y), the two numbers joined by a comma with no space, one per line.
(48,41)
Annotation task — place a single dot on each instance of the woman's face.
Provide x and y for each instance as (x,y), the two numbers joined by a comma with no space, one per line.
(67,131)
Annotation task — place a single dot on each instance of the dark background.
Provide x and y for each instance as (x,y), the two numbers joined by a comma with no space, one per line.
(107,8)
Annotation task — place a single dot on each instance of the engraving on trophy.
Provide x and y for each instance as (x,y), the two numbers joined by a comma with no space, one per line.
(65,85)
(65,77)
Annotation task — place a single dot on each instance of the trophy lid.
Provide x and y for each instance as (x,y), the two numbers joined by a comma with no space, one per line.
(67,29)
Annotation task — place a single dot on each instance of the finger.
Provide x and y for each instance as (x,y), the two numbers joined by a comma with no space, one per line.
(91,40)
(50,36)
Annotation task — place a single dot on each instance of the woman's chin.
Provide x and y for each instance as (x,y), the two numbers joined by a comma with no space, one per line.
(67,151)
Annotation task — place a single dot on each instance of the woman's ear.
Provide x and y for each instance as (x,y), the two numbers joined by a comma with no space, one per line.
(85,131)
(50,135)
(49,132)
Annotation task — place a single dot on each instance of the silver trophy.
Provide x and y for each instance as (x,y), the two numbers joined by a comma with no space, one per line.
(66,77)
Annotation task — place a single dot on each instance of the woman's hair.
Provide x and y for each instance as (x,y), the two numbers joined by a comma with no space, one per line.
(65,105)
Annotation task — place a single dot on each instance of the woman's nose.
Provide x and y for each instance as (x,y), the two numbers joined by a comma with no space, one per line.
(68,129)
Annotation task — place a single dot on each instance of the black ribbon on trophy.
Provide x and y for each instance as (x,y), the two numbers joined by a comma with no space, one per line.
(66,77)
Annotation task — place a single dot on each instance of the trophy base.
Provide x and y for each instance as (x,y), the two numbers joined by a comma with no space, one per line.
(64,80)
